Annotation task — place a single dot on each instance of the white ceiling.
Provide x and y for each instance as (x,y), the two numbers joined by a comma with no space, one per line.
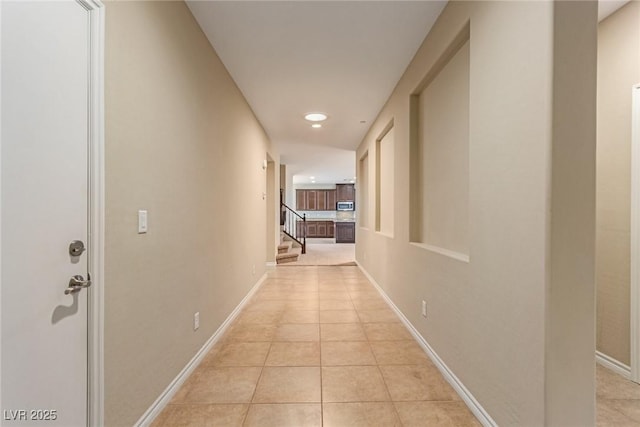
(327,165)
(342,58)
(607,7)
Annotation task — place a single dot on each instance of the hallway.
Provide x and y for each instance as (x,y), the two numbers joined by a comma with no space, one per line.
(474,135)
(316,346)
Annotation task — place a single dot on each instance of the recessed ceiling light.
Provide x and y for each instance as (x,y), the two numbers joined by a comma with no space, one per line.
(312,177)
(316,117)
(316,125)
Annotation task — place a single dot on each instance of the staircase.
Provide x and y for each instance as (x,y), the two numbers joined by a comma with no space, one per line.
(293,239)
(288,249)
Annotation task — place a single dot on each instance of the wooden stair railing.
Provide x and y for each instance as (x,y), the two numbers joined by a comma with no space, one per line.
(294,225)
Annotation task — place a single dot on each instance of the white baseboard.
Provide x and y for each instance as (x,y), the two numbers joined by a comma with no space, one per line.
(166,396)
(271,265)
(613,364)
(474,406)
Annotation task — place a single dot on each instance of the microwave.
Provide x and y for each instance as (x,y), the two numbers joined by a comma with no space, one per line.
(345,206)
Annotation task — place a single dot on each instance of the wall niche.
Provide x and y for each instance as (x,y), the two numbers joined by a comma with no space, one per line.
(439,147)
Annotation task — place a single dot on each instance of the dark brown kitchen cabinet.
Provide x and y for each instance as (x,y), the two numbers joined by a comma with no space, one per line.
(316,228)
(316,200)
(312,200)
(322,228)
(312,229)
(345,192)
(331,200)
(345,232)
(321,197)
(301,200)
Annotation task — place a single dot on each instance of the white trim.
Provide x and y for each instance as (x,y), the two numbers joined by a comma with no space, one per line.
(271,265)
(442,251)
(635,234)
(613,364)
(95,339)
(154,410)
(1,405)
(480,413)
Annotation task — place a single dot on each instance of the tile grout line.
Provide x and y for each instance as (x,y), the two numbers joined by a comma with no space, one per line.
(384,381)
(320,355)
(246,415)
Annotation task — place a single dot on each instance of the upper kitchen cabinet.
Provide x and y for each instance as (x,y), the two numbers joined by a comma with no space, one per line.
(331,200)
(301,200)
(345,192)
(316,200)
(321,197)
(312,200)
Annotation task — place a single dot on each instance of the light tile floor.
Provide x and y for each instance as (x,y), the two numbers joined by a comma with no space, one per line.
(325,252)
(617,400)
(316,346)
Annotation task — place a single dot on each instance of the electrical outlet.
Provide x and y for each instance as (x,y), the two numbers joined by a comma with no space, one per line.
(424,308)
(253,269)
(196,320)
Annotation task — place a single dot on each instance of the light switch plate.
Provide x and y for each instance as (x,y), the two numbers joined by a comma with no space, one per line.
(142,222)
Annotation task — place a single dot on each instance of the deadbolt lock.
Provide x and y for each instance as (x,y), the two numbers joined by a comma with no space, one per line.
(76,248)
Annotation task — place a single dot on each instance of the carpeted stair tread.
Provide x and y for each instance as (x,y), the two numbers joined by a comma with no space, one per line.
(284,247)
(290,256)
(286,257)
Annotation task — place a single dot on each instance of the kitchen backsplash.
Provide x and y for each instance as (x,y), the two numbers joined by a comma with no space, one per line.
(345,214)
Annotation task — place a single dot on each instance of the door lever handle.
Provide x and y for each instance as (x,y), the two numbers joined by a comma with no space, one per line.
(76,283)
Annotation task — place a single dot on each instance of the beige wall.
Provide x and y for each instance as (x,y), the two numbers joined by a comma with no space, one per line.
(272,198)
(182,143)
(283,180)
(443,151)
(502,321)
(362,191)
(385,188)
(618,71)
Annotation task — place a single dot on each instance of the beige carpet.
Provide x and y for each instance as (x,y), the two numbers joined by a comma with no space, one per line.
(326,252)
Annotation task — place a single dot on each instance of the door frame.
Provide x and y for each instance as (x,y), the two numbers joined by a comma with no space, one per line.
(95,318)
(635,234)
(95,385)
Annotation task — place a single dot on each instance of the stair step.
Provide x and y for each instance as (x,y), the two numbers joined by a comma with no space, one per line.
(286,257)
(284,247)
(284,238)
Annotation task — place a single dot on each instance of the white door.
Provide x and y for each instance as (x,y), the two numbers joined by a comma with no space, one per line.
(45,77)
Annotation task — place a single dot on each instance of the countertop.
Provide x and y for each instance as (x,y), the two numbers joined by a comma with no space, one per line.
(330,219)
